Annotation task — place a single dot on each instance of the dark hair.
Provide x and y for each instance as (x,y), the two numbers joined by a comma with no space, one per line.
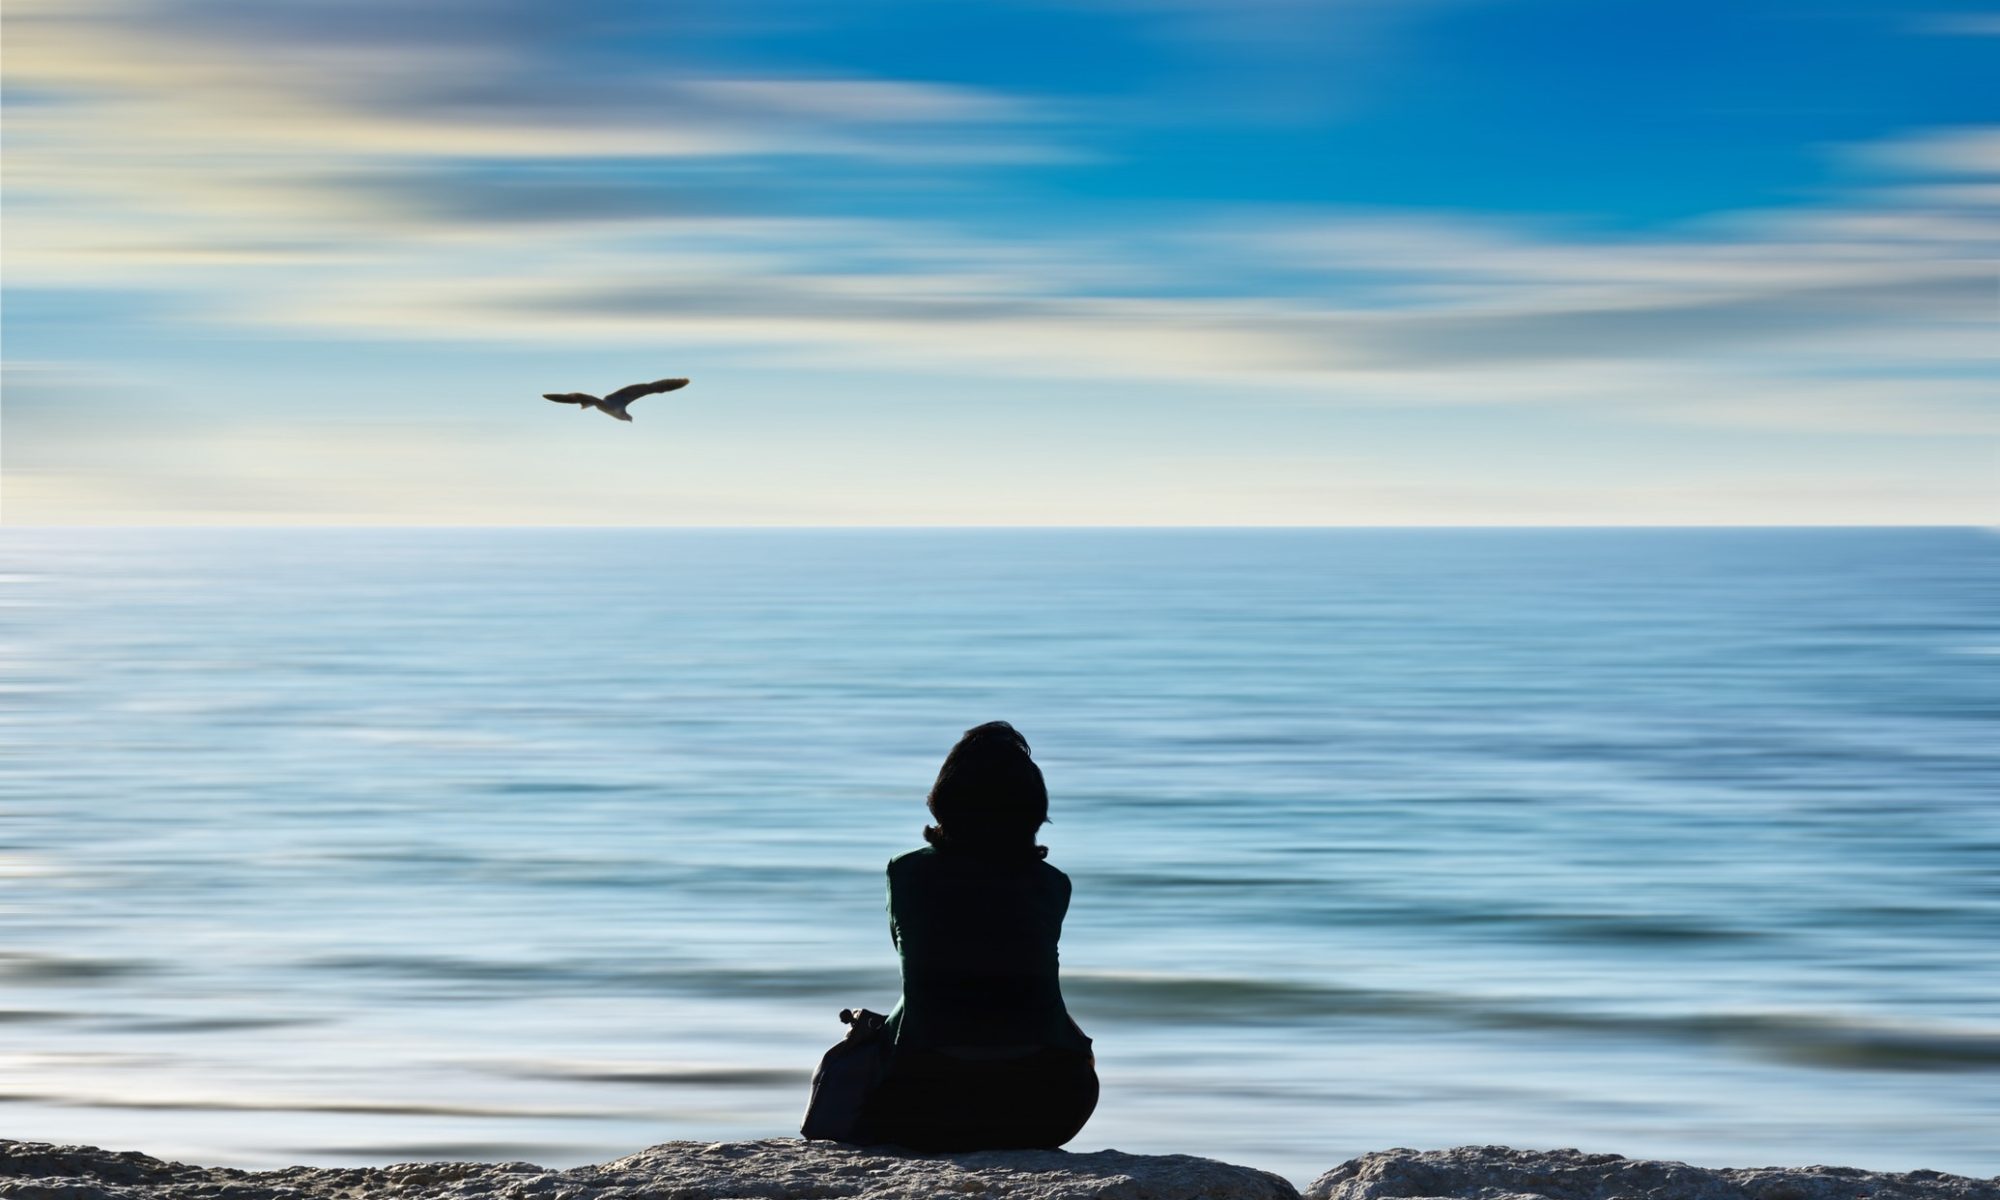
(989,797)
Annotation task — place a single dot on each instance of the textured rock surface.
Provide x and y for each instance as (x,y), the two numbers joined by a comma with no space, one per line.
(777,1169)
(788,1169)
(1498,1173)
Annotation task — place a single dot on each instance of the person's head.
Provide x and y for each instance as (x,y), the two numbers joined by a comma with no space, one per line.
(989,797)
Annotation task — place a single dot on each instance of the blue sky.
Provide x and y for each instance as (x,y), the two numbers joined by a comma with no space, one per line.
(1116,262)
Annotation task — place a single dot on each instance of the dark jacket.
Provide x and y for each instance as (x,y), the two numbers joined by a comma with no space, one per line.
(977,937)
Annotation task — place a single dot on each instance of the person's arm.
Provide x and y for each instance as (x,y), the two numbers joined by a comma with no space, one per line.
(895,927)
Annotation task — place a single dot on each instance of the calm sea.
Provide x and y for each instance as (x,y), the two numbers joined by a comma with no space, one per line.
(357,846)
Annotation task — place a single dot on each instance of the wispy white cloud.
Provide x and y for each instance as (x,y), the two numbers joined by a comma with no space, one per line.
(1970,150)
(139,86)
(1360,308)
(876,101)
(1960,24)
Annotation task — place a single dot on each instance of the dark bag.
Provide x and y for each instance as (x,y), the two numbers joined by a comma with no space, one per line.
(847,1075)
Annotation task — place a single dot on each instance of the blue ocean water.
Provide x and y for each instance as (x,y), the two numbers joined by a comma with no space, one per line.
(347,846)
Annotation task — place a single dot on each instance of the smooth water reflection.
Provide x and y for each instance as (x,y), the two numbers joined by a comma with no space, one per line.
(354,846)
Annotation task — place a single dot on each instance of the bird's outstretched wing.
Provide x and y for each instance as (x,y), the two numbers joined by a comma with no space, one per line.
(570,398)
(628,394)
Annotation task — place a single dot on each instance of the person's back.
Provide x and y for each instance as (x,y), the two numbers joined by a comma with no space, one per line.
(983,1054)
(978,942)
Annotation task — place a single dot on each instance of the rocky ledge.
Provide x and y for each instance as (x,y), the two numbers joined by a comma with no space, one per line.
(775,1169)
(1498,1173)
(788,1169)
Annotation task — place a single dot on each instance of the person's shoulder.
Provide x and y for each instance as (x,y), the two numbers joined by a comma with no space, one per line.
(1052,874)
(913,860)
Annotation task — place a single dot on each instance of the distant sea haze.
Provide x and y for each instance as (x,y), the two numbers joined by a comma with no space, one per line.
(345,846)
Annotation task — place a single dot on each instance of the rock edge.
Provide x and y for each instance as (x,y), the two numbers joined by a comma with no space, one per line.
(790,1169)
(773,1169)
(1501,1173)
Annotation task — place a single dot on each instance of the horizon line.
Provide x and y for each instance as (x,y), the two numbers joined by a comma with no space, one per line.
(1984,527)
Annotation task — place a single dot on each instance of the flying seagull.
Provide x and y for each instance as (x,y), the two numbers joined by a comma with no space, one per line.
(614,404)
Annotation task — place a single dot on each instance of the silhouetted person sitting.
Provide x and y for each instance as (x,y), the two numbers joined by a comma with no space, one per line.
(985,1056)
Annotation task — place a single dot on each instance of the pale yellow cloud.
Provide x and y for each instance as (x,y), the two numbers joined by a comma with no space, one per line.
(130,79)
